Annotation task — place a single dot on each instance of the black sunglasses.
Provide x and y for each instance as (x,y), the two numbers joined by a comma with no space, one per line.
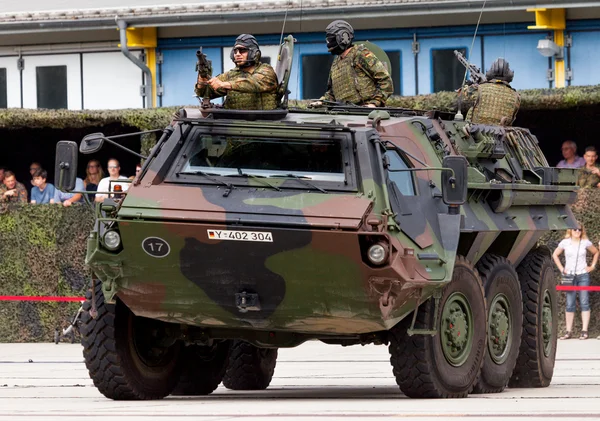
(240,50)
(576,229)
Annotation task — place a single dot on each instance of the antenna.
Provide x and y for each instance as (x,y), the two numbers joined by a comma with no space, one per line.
(284,20)
(459,115)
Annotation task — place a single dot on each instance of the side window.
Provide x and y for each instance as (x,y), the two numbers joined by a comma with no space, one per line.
(447,71)
(402,179)
(3,89)
(315,72)
(51,83)
(265,59)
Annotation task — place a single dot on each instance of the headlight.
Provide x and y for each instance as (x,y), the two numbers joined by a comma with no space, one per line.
(112,240)
(377,254)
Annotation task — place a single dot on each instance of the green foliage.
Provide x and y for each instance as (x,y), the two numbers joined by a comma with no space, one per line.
(42,252)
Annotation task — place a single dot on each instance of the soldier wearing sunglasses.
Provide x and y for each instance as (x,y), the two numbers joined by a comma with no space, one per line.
(252,85)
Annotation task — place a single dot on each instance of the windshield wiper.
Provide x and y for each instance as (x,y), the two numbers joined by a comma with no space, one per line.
(253,177)
(210,175)
(302,179)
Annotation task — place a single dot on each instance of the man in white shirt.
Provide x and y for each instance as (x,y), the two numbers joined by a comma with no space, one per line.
(114,169)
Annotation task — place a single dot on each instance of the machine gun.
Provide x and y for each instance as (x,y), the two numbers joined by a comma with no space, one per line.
(204,69)
(475,74)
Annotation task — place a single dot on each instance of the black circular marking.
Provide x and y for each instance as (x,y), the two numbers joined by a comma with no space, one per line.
(156,247)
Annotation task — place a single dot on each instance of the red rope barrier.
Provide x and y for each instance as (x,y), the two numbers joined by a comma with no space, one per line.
(572,288)
(36,298)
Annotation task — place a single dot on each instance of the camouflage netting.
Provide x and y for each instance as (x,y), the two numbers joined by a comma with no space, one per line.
(42,253)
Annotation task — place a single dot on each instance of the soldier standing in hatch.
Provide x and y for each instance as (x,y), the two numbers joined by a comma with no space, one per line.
(356,76)
(252,85)
(495,101)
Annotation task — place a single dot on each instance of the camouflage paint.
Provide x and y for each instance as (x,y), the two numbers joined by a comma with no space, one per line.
(314,278)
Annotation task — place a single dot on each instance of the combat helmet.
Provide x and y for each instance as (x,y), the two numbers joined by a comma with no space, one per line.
(254,54)
(339,35)
(500,70)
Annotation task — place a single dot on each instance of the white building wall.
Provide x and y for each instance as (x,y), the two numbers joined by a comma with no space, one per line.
(72,61)
(111,81)
(13,82)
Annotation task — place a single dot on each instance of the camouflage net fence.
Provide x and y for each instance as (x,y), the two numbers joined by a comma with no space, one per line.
(42,253)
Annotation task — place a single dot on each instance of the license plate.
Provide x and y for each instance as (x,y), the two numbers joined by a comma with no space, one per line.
(262,237)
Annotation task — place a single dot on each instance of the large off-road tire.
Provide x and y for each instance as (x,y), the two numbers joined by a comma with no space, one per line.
(505,322)
(203,368)
(122,355)
(448,364)
(250,367)
(535,365)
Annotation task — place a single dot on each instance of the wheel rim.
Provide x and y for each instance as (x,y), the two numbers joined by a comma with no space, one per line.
(457,336)
(500,329)
(547,323)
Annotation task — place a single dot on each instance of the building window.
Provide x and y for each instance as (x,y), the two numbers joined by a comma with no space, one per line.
(315,72)
(448,73)
(51,83)
(394,57)
(3,89)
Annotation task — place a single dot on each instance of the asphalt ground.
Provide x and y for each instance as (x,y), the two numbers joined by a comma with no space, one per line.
(312,382)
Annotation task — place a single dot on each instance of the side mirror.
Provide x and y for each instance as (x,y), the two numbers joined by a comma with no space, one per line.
(454,186)
(65,169)
(91,143)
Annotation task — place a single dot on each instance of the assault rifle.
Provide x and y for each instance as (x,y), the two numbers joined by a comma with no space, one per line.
(475,74)
(204,69)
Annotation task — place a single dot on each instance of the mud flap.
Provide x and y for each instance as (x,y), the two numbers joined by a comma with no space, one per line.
(450,232)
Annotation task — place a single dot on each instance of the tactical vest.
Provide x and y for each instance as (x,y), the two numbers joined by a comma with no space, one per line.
(349,81)
(496,103)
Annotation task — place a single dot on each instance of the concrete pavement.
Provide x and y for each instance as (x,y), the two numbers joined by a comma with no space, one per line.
(313,381)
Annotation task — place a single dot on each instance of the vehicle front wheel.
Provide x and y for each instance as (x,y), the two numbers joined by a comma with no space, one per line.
(448,364)
(127,356)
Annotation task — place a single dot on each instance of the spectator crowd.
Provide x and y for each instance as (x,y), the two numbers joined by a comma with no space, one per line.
(589,172)
(39,191)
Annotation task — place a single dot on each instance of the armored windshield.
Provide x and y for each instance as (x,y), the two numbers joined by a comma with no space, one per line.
(317,159)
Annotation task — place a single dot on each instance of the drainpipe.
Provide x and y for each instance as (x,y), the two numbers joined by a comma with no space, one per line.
(146,89)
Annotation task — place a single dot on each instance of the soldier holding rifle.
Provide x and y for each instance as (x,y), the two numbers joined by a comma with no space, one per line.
(495,101)
(252,85)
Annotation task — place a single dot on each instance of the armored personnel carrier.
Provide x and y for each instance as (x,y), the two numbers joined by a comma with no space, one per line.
(249,231)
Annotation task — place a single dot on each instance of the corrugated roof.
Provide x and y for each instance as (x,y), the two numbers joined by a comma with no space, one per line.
(69,13)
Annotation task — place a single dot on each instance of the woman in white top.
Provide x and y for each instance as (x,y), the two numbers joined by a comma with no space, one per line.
(576,245)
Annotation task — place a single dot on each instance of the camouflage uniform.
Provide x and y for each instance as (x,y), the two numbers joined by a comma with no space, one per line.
(586,179)
(21,196)
(359,78)
(255,90)
(495,102)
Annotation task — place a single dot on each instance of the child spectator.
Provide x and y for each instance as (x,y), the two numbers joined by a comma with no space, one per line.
(42,192)
(12,191)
